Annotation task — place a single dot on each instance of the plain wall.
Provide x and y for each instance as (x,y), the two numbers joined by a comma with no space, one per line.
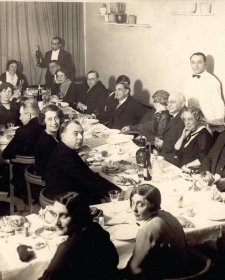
(157,57)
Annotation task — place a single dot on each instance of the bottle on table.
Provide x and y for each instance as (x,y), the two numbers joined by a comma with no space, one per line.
(143,160)
(39,93)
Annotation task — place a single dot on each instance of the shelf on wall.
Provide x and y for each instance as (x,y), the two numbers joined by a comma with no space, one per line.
(191,14)
(129,25)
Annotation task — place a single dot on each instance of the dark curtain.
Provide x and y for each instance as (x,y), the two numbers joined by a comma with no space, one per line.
(23,25)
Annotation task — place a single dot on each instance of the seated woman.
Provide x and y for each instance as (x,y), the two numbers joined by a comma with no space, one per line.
(154,122)
(195,141)
(128,111)
(88,253)
(67,90)
(51,117)
(13,76)
(160,248)
(214,163)
(9,108)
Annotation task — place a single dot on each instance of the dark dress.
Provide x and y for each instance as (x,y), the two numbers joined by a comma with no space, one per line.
(197,148)
(67,172)
(128,113)
(153,124)
(44,147)
(11,115)
(215,160)
(86,255)
(21,80)
(23,143)
(94,98)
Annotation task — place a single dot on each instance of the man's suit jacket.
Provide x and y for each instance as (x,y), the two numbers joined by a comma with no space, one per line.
(211,161)
(67,172)
(24,140)
(94,97)
(172,133)
(65,60)
(129,113)
(23,143)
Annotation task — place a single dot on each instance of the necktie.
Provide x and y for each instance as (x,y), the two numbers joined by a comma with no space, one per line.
(197,76)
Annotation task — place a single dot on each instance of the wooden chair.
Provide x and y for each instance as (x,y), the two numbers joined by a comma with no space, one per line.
(32,179)
(24,160)
(199,265)
(43,200)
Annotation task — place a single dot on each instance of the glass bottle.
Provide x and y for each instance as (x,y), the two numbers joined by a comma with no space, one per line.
(143,161)
(39,93)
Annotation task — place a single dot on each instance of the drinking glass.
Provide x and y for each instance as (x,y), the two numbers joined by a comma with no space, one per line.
(114,197)
(140,170)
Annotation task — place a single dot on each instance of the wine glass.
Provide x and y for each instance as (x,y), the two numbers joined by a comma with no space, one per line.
(114,197)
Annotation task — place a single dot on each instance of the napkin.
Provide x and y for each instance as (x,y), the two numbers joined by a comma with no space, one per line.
(185,222)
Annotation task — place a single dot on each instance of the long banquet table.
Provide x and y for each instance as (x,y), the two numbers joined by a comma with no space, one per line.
(206,215)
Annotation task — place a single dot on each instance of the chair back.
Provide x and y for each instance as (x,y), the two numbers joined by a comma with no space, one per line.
(199,265)
(43,200)
(31,178)
(19,159)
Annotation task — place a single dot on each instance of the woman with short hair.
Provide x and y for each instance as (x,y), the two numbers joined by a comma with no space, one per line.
(160,249)
(51,117)
(13,76)
(154,122)
(195,142)
(9,108)
(67,90)
(88,252)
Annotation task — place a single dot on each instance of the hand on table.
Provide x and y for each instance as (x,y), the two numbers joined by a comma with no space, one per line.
(125,128)
(81,106)
(158,142)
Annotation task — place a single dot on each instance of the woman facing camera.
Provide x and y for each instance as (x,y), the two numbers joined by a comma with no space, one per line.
(160,248)
(88,252)
(13,76)
(67,90)
(51,117)
(195,141)
(9,108)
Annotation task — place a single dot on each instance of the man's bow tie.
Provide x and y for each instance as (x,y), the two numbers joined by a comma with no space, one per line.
(198,76)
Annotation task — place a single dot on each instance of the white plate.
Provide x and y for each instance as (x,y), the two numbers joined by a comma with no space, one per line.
(63,104)
(124,231)
(45,233)
(92,121)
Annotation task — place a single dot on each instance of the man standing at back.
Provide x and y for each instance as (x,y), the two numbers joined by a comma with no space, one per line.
(57,53)
(203,90)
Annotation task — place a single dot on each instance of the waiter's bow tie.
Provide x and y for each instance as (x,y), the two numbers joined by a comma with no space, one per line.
(198,76)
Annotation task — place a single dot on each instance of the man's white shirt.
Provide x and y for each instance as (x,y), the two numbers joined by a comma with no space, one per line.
(55,55)
(205,93)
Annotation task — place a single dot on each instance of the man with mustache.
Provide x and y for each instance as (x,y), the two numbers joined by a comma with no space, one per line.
(68,172)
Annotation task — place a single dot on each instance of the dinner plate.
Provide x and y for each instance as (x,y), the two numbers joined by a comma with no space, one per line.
(124,231)
(63,104)
(47,232)
(112,169)
(92,121)
(217,214)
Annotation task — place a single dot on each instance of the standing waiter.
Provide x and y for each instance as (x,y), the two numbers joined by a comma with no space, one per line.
(57,53)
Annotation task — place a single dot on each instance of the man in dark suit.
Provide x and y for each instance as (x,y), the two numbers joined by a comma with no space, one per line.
(128,110)
(50,81)
(93,95)
(57,53)
(214,163)
(174,129)
(24,141)
(68,172)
